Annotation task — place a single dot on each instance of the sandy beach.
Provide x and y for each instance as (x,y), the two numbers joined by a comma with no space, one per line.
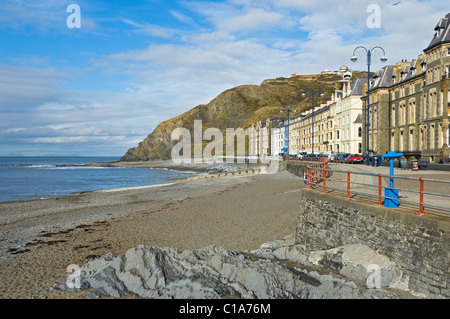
(39,239)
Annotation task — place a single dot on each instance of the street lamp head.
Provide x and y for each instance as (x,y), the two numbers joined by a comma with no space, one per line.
(383,59)
(303,94)
(322,94)
(354,59)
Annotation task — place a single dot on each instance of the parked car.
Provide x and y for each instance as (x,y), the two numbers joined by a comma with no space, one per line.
(354,158)
(334,158)
(343,158)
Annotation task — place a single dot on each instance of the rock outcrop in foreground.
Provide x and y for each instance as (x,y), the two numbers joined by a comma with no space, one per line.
(273,271)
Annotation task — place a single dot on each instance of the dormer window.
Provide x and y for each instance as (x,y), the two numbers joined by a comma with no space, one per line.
(424,65)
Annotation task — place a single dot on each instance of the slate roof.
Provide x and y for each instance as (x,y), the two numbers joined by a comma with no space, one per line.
(357,86)
(358,119)
(382,78)
(442,34)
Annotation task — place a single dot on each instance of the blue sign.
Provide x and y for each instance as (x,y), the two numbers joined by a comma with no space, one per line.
(391,194)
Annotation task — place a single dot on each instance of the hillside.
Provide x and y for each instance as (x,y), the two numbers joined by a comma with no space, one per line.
(238,107)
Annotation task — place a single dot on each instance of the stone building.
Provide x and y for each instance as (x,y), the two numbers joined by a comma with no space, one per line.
(409,102)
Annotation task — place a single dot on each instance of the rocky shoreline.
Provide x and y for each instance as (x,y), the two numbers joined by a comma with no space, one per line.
(193,238)
(277,270)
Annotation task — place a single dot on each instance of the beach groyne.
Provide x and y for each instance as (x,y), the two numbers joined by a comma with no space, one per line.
(420,245)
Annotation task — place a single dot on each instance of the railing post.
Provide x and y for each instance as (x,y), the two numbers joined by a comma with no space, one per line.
(421,212)
(310,178)
(348,186)
(379,191)
(324,190)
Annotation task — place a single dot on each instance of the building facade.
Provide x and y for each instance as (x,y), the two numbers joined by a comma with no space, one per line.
(410,101)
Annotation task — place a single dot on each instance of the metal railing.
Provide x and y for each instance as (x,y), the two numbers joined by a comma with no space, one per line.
(411,190)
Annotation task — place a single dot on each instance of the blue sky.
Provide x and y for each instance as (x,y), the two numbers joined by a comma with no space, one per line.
(102,88)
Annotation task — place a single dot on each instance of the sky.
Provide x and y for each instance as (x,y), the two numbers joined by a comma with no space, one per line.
(96,78)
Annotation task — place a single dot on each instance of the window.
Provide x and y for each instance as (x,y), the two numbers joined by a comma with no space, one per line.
(401,141)
(359,131)
(412,112)
(432,132)
(425,106)
(411,140)
(392,146)
(393,116)
(421,140)
(404,114)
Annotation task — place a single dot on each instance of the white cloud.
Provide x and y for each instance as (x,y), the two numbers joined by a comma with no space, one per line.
(183,18)
(171,69)
(152,30)
(253,19)
(24,87)
(42,16)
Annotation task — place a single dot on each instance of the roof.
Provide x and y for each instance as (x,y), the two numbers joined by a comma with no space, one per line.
(358,119)
(357,86)
(382,78)
(442,34)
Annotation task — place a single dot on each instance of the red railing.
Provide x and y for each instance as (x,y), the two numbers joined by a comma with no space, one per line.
(412,189)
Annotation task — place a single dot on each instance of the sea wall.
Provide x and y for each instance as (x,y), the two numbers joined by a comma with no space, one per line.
(420,245)
(295,168)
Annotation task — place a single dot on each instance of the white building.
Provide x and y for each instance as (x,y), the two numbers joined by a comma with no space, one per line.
(279,139)
(347,114)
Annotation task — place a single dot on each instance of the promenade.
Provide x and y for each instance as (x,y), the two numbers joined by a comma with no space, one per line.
(364,181)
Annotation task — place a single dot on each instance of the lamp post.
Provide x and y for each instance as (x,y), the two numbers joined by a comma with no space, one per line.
(312,97)
(369,60)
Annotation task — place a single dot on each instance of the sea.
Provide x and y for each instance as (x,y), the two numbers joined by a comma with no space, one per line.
(24,178)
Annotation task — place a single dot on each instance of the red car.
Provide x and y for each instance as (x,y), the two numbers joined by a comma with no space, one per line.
(354,158)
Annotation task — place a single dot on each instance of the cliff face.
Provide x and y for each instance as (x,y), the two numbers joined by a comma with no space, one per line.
(238,107)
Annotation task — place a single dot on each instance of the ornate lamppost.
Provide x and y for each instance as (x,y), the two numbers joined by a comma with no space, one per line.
(369,60)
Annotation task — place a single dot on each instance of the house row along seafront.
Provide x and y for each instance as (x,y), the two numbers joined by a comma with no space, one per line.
(332,127)
(408,111)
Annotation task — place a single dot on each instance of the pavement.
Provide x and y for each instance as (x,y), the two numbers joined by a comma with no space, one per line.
(364,185)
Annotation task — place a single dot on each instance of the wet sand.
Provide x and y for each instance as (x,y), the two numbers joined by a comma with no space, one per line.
(39,239)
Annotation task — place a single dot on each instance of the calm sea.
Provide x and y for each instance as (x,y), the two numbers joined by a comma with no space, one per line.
(24,178)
